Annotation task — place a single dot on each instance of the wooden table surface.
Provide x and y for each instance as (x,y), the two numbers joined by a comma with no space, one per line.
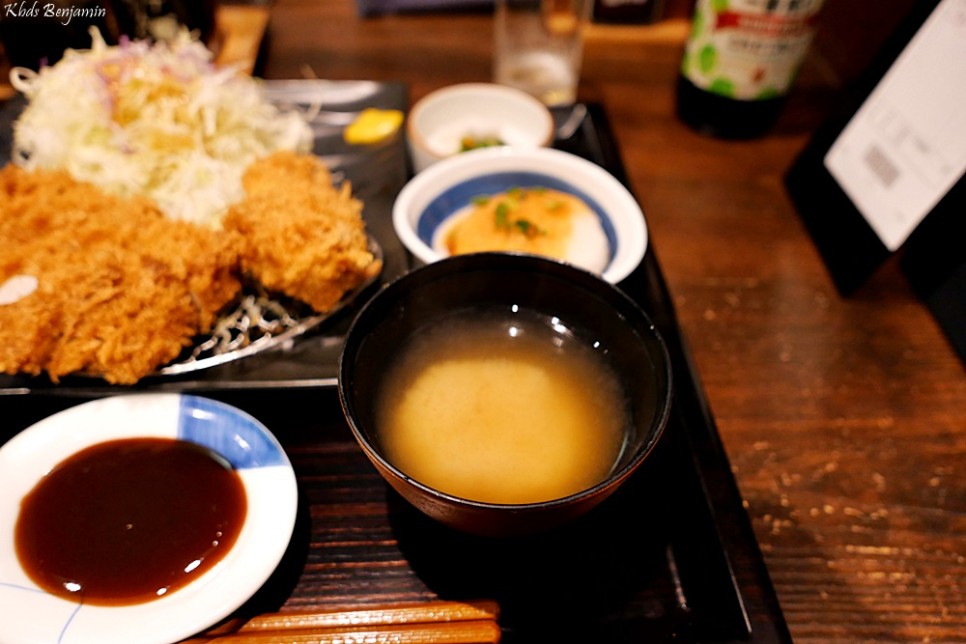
(844,418)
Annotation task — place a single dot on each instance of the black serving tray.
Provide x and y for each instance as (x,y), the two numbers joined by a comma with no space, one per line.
(671,557)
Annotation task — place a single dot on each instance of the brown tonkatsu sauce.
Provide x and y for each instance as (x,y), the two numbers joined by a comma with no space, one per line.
(130,520)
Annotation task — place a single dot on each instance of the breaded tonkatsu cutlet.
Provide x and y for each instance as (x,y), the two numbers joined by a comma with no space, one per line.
(301,235)
(121,289)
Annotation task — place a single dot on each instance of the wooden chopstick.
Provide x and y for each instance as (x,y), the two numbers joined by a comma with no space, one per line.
(471,632)
(437,622)
(415,613)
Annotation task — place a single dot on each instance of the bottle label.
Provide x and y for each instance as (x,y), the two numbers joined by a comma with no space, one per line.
(749,49)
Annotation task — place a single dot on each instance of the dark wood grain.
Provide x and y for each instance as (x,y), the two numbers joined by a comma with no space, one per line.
(844,419)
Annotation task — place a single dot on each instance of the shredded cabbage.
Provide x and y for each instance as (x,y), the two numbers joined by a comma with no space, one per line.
(158,120)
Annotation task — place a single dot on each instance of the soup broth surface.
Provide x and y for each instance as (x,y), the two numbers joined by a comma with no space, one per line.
(511,410)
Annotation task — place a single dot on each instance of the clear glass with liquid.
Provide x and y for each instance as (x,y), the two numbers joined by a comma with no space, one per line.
(539,47)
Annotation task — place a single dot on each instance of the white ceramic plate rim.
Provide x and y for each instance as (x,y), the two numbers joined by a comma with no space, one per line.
(623,210)
(28,614)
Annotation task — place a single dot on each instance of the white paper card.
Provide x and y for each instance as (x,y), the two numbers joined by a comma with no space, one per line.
(905,147)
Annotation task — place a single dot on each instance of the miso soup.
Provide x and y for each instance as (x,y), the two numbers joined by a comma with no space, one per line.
(512,409)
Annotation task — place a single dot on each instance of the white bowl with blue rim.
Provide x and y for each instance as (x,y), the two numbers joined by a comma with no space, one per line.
(29,614)
(429,200)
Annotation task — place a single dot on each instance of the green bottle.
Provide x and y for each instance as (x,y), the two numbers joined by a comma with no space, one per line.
(740,62)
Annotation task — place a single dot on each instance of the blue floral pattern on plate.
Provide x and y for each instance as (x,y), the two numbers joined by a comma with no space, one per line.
(233,434)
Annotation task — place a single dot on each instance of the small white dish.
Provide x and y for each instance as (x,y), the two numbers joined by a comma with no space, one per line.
(428,202)
(28,614)
(439,121)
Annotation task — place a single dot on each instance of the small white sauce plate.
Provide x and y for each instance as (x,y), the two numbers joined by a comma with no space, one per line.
(438,122)
(28,614)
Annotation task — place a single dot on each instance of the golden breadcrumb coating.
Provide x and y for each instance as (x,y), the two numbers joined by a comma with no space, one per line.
(121,289)
(300,234)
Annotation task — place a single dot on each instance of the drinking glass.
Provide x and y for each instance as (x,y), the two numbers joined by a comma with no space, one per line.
(539,47)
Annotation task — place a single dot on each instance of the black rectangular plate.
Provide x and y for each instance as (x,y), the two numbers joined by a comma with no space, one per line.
(670,557)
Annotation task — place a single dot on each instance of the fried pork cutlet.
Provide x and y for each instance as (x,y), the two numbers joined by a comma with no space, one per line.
(301,235)
(121,289)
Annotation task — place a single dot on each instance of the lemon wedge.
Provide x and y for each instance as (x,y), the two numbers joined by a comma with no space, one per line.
(372,126)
